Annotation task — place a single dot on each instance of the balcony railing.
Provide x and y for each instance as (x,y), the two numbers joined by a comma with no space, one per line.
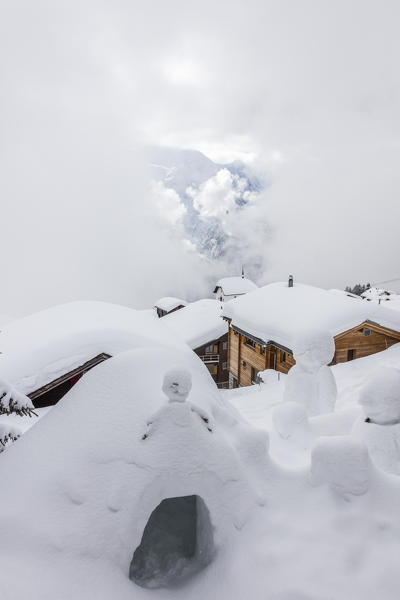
(210,358)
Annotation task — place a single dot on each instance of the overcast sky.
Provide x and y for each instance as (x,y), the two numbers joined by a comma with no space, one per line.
(306,92)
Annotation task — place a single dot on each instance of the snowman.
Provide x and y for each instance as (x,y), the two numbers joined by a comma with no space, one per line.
(176,386)
(311,382)
(379,425)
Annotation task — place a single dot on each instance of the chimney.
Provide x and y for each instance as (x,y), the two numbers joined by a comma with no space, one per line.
(242,272)
(290,282)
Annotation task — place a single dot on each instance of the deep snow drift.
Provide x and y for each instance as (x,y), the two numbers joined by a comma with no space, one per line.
(85,494)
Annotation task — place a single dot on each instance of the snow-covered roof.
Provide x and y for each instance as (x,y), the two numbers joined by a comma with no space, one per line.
(280,313)
(169,303)
(38,349)
(200,322)
(234,286)
(344,293)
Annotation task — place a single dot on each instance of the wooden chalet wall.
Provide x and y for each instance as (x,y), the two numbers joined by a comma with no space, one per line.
(246,354)
(243,357)
(217,360)
(380,338)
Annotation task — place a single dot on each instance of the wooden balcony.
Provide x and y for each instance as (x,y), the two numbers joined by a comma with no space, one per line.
(210,358)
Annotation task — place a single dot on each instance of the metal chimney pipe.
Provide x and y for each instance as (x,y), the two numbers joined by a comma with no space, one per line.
(290,282)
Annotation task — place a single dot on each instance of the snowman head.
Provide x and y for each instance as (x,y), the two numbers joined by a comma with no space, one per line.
(313,350)
(177,385)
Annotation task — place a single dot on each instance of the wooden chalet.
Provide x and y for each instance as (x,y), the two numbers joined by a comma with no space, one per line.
(263,325)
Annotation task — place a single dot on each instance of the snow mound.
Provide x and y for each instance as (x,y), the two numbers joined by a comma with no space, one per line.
(380,398)
(112,451)
(288,418)
(341,462)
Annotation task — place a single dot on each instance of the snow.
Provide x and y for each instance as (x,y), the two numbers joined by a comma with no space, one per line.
(379,426)
(280,314)
(169,303)
(94,479)
(380,398)
(310,382)
(199,323)
(43,346)
(146,481)
(385,297)
(235,286)
(343,463)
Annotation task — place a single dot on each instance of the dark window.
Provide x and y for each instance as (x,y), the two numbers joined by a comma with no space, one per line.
(244,364)
(283,356)
(225,345)
(224,366)
(254,375)
(209,349)
(262,350)
(367,332)
(250,343)
(350,354)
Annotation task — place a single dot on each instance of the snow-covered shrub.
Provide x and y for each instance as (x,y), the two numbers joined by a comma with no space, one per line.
(311,382)
(379,427)
(343,463)
(12,401)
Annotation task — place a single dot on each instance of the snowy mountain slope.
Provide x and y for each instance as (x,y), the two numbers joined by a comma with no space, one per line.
(214,198)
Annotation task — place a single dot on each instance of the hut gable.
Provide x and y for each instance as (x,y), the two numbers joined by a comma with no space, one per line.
(167,305)
(231,287)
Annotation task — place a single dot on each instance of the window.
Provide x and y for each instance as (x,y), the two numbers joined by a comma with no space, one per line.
(213,369)
(283,356)
(235,332)
(350,354)
(209,349)
(250,343)
(366,332)
(224,367)
(224,345)
(216,348)
(262,350)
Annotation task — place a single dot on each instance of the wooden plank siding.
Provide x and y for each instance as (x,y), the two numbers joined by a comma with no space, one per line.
(244,356)
(219,349)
